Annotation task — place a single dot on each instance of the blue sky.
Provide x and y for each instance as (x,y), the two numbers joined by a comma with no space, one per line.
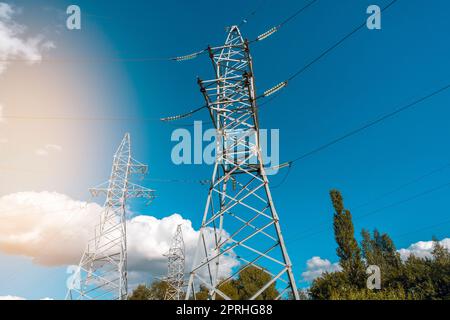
(372,73)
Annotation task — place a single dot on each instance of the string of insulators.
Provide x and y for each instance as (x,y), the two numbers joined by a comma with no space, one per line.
(182,116)
(274,89)
(177,117)
(281,166)
(266,34)
(186,57)
(189,56)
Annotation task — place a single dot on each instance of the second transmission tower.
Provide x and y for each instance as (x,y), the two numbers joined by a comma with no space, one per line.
(175,269)
(102,272)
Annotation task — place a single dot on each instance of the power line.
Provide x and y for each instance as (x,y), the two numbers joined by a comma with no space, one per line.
(186,57)
(295,14)
(361,129)
(202,182)
(301,157)
(272,30)
(283,180)
(75,118)
(429,227)
(434,171)
(276,89)
(345,136)
(377,211)
(300,71)
(253,13)
(414,197)
(370,124)
(407,184)
(337,44)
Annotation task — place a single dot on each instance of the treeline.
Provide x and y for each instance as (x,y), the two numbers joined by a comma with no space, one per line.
(412,279)
(243,288)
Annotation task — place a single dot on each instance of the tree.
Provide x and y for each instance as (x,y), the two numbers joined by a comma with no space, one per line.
(348,250)
(329,286)
(440,270)
(142,292)
(156,291)
(380,250)
(251,279)
(412,279)
(245,286)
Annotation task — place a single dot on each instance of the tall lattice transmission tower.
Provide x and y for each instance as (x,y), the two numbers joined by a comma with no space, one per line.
(102,272)
(240,221)
(175,269)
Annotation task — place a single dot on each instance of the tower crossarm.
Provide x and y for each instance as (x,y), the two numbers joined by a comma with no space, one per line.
(137,191)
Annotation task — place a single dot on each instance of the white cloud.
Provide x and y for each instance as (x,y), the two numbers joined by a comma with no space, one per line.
(10,297)
(14,44)
(45,151)
(53,229)
(50,228)
(149,239)
(422,249)
(316,266)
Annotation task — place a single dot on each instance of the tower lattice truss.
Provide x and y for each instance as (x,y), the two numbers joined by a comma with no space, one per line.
(102,272)
(175,270)
(240,227)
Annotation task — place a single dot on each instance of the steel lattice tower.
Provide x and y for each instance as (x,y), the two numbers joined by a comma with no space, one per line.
(103,266)
(175,269)
(240,219)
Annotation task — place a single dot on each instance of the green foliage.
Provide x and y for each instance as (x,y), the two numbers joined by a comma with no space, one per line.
(250,280)
(156,291)
(366,294)
(440,271)
(142,292)
(348,250)
(329,285)
(413,279)
(380,250)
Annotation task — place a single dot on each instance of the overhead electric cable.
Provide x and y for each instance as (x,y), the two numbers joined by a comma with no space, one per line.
(186,57)
(370,124)
(374,212)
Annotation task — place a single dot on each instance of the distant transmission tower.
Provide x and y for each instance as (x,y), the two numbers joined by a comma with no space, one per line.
(103,266)
(240,220)
(175,270)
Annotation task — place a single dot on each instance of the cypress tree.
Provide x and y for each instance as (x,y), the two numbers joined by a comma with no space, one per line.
(348,250)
